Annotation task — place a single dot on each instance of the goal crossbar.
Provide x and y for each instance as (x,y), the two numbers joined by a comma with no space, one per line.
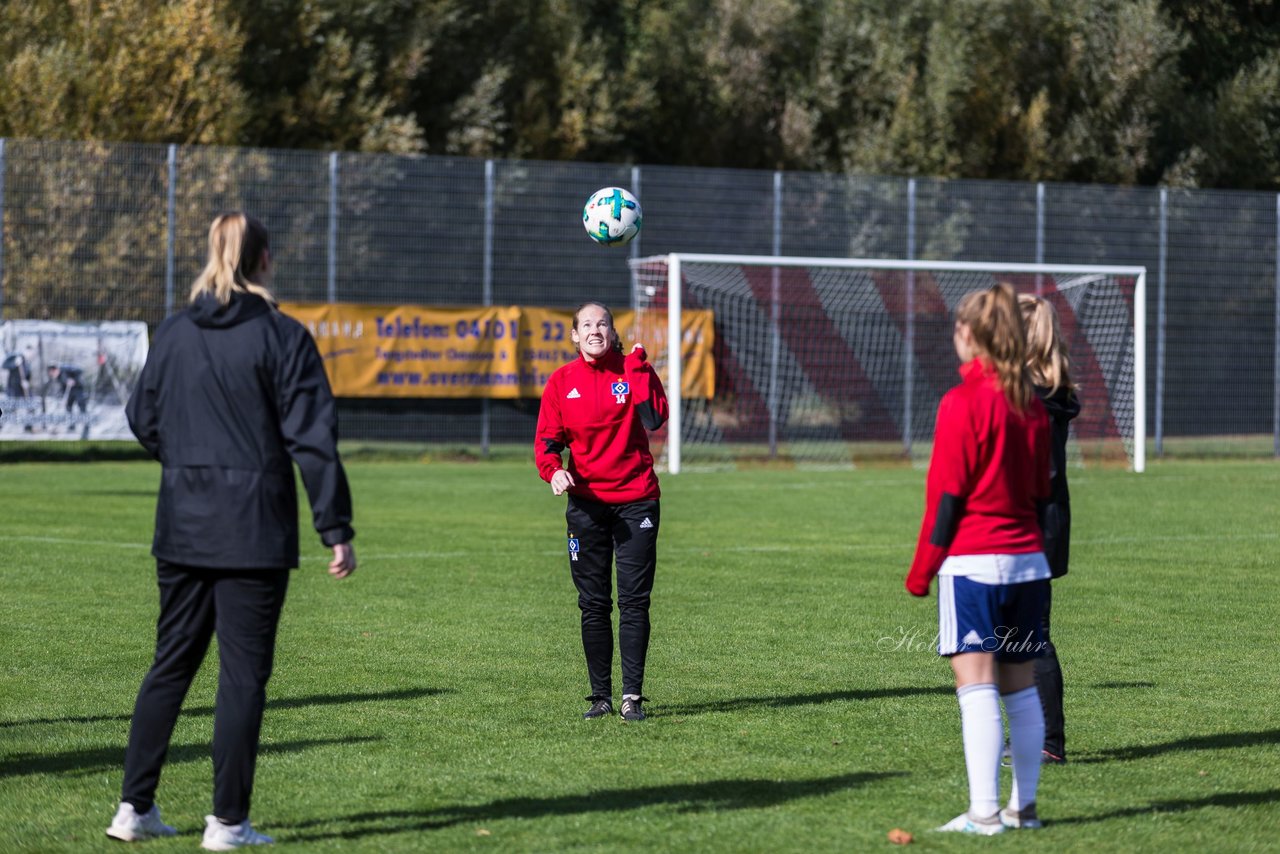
(674,262)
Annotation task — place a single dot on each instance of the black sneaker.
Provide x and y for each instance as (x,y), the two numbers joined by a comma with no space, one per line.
(599,709)
(631,710)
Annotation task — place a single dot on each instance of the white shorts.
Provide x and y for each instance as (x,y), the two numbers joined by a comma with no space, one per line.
(998,569)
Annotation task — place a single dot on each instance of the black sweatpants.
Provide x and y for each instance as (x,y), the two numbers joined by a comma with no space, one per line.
(1049,684)
(599,533)
(243,608)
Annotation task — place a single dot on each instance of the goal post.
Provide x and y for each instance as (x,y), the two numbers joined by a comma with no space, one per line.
(822,361)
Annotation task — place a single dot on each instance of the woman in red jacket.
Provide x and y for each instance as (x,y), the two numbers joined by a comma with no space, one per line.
(599,407)
(981,537)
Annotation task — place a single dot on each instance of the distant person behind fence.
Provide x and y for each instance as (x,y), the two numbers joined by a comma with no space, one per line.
(69,383)
(232,395)
(18,380)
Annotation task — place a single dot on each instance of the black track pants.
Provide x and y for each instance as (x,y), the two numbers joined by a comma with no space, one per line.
(1049,684)
(599,533)
(243,608)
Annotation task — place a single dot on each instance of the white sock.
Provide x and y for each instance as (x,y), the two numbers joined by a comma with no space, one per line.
(983,740)
(1026,738)
(631,697)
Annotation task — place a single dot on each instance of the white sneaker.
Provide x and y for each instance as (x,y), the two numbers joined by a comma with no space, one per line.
(130,826)
(227,837)
(1023,818)
(965,823)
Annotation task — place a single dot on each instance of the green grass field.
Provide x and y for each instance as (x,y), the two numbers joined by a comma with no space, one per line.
(432,702)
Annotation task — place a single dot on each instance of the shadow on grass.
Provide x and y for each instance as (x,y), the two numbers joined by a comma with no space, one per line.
(1219,741)
(739,703)
(105,758)
(281,703)
(713,795)
(1224,799)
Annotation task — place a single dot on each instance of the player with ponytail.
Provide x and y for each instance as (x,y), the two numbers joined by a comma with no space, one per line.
(1049,365)
(239,259)
(981,538)
(232,396)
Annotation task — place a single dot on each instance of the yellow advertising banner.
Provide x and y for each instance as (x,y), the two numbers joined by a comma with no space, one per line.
(484,351)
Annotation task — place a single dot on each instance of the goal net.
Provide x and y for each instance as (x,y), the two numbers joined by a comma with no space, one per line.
(827,362)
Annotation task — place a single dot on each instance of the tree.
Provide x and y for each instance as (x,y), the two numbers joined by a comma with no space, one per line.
(335,75)
(1119,91)
(140,70)
(1227,132)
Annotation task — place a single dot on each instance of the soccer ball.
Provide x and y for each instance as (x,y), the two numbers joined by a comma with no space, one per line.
(612,216)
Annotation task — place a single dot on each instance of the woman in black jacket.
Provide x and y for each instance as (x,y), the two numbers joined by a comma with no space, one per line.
(1049,366)
(232,395)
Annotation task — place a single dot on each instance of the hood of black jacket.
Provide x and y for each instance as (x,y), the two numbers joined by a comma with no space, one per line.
(1063,405)
(208,312)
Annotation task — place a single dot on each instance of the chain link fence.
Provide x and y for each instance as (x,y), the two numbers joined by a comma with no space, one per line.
(96,231)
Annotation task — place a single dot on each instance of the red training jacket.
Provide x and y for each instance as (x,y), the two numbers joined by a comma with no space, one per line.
(989,469)
(599,411)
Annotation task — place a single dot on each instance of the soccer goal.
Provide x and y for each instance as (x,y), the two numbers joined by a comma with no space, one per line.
(828,361)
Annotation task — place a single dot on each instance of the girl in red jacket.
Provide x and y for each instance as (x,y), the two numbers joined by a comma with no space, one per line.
(981,537)
(599,407)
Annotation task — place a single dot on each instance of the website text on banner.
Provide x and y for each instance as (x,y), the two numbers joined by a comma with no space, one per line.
(489,351)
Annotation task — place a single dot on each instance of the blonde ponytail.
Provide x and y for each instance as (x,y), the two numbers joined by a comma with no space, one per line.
(238,246)
(996,324)
(1048,360)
